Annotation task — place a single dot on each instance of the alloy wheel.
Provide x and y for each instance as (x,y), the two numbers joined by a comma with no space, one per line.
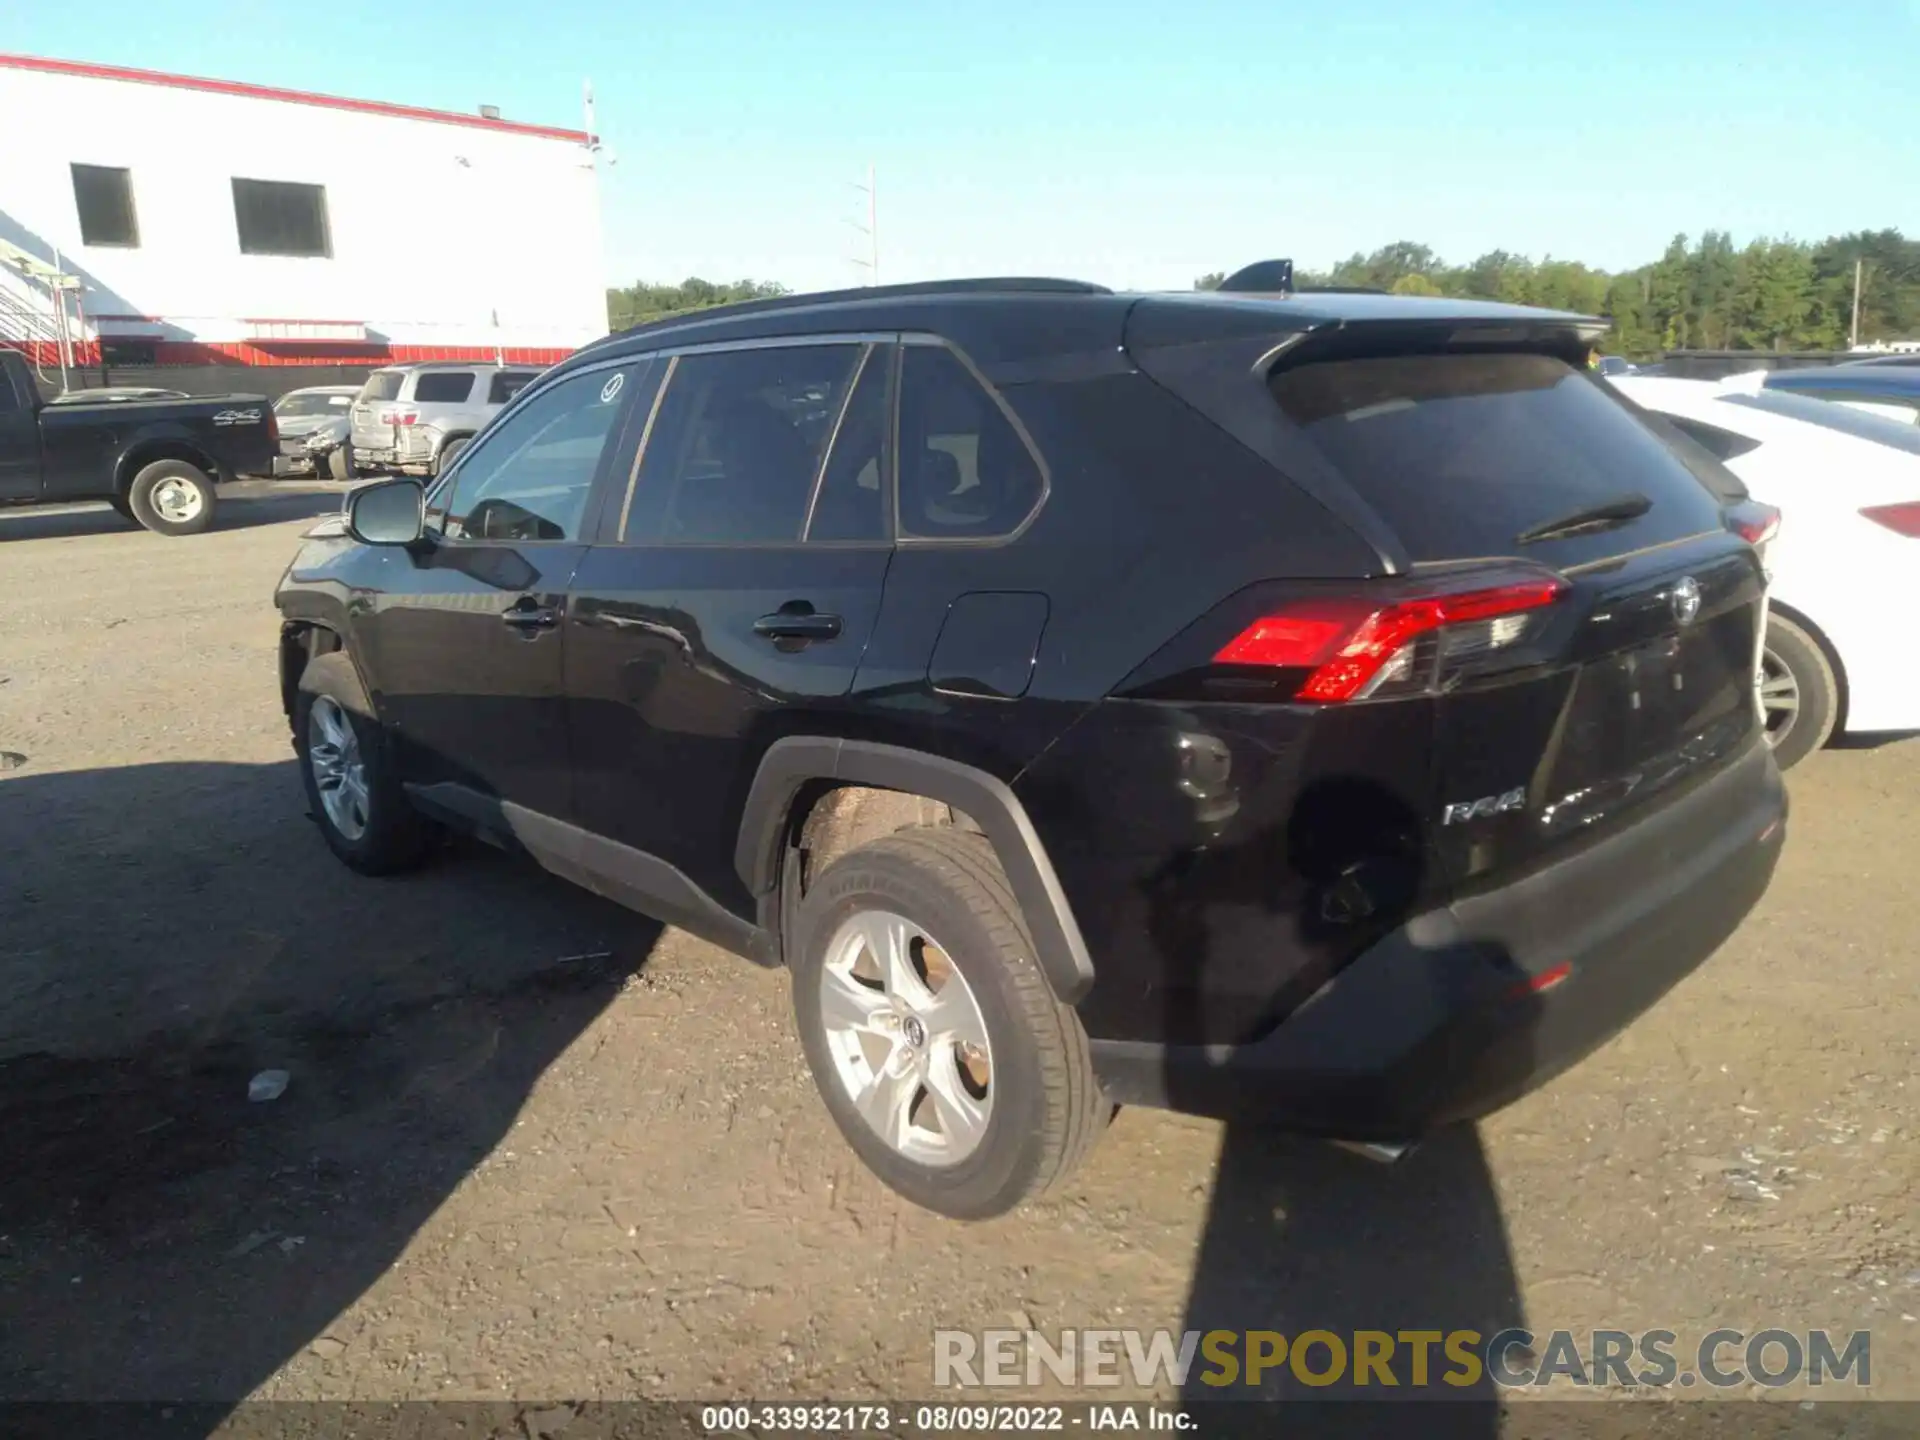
(1779,697)
(339,771)
(907,1037)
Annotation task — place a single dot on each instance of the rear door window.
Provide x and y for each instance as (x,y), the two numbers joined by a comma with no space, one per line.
(1462,453)
(850,499)
(442,387)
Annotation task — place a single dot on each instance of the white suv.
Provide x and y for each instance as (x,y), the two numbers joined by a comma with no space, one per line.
(415,418)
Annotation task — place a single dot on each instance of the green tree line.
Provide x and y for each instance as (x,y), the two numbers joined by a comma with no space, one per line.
(638,303)
(1704,294)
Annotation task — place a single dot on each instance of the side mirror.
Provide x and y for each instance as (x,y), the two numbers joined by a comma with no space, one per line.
(389,512)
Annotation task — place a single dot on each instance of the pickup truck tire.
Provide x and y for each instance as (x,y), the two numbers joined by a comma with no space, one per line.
(340,463)
(172,497)
(449,452)
(352,793)
(119,503)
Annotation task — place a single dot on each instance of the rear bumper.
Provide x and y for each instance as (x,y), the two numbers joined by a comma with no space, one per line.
(1445,1019)
(385,457)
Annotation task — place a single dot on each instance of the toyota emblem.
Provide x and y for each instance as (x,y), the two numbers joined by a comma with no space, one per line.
(1686,600)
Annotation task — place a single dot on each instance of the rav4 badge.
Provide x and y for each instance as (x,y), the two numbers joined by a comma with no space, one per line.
(1483,807)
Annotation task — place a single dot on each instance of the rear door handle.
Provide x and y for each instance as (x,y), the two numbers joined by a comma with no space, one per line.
(530,617)
(797,620)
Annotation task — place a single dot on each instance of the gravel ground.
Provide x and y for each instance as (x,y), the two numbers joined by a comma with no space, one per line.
(532,1146)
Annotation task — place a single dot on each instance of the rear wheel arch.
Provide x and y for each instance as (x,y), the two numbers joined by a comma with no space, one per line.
(840,794)
(138,456)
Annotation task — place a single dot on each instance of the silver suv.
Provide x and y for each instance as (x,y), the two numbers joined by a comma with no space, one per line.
(415,418)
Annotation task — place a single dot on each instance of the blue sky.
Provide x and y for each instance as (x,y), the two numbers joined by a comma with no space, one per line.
(1135,144)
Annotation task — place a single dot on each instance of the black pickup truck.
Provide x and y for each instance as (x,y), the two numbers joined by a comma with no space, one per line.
(155,461)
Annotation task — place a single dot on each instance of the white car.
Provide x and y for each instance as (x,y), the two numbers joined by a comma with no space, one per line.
(1838,656)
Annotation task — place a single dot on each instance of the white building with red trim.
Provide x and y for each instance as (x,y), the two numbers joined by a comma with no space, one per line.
(148,218)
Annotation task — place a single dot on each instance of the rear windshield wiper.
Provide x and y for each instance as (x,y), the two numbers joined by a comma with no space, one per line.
(1604,516)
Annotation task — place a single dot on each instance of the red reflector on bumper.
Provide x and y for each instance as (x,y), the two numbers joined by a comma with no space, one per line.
(1545,980)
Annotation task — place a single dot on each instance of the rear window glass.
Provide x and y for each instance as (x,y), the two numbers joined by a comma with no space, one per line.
(1461,453)
(1831,415)
(382,385)
(442,387)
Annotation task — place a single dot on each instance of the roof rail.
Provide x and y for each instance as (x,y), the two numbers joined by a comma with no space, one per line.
(1004,285)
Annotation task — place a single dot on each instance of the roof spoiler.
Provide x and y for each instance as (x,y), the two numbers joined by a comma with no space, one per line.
(1275,277)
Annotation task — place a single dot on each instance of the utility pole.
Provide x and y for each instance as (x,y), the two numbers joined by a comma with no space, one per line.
(1853,335)
(872,228)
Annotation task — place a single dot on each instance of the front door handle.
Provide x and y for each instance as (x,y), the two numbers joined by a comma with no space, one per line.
(530,617)
(797,620)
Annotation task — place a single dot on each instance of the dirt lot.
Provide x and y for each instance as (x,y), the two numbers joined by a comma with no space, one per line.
(532,1146)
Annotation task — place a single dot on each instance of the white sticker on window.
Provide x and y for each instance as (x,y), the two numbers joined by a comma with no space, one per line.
(612,387)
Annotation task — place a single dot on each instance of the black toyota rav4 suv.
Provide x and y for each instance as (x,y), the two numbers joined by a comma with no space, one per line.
(1335,710)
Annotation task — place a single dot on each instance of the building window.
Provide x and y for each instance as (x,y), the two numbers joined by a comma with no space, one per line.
(103,194)
(276,217)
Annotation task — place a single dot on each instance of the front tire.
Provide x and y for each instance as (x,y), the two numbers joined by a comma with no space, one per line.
(352,792)
(932,1034)
(172,497)
(121,507)
(1799,692)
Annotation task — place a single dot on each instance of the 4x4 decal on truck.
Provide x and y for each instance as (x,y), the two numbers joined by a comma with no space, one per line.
(237,417)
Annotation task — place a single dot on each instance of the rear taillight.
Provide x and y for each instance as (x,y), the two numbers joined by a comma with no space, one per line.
(1901,519)
(1757,523)
(1352,647)
(399,417)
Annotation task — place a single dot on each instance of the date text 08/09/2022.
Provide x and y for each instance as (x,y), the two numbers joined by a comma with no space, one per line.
(828,1418)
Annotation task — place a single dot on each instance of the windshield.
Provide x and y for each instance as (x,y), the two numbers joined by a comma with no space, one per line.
(1831,415)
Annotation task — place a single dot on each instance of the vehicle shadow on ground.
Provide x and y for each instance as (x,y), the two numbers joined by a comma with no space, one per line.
(239,512)
(1302,1237)
(168,932)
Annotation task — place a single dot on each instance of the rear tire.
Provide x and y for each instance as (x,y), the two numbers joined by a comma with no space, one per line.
(121,507)
(449,452)
(340,463)
(352,792)
(1039,1109)
(172,497)
(1799,692)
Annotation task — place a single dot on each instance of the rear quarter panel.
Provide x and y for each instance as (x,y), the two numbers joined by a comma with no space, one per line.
(1846,575)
